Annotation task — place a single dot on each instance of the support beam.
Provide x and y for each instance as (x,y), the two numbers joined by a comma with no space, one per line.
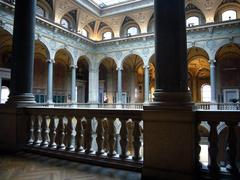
(146,84)
(50,81)
(73,84)
(213,81)
(23,53)
(119,98)
(169,130)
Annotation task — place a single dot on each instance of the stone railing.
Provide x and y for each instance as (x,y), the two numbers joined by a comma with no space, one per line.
(217,106)
(101,137)
(219,137)
(129,106)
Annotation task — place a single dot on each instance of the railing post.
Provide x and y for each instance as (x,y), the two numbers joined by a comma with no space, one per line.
(53,132)
(124,139)
(45,132)
(198,147)
(111,136)
(232,146)
(88,136)
(31,130)
(136,141)
(213,147)
(100,137)
(38,130)
(61,134)
(79,135)
(70,134)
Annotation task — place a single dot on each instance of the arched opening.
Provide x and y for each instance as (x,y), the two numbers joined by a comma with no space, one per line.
(133,79)
(84,33)
(82,79)
(40,76)
(227,11)
(44,9)
(129,27)
(69,20)
(107,35)
(151,24)
(194,16)
(5,63)
(229,15)
(198,70)
(108,81)
(206,93)
(228,73)
(62,77)
(192,21)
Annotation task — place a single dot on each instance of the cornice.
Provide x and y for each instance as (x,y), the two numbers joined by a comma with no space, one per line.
(58,28)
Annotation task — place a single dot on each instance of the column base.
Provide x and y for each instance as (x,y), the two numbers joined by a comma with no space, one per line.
(161,97)
(21,100)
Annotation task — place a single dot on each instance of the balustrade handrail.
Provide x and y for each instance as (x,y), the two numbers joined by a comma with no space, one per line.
(217,106)
(215,122)
(70,132)
(93,105)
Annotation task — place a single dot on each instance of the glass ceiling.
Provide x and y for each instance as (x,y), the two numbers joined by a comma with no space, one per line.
(104,3)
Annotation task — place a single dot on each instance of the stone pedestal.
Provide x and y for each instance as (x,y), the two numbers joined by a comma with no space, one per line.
(13,129)
(169,134)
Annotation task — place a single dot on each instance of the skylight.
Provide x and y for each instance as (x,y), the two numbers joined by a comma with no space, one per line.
(104,3)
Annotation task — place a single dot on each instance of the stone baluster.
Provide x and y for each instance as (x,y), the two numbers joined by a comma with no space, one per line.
(88,136)
(111,137)
(53,132)
(213,147)
(198,147)
(105,134)
(232,146)
(100,137)
(124,139)
(38,130)
(70,134)
(79,135)
(61,134)
(45,132)
(31,131)
(137,140)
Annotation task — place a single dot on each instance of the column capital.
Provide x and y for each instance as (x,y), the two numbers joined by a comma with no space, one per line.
(50,60)
(212,61)
(146,67)
(73,66)
(119,68)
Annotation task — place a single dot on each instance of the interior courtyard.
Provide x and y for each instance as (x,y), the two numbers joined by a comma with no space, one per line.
(143,86)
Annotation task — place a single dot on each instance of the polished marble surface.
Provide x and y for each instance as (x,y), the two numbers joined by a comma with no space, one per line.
(27,166)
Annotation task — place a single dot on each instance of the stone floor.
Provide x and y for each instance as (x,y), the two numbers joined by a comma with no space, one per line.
(27,166)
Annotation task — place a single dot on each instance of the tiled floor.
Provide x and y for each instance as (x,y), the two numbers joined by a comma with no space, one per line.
(26,166)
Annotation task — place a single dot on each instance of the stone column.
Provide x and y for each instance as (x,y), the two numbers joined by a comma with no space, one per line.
(93,86)
(169,129)
(73,84)
(132,84)
(146,84)
(23,53)
(213,81)
(50,81)
(119,98)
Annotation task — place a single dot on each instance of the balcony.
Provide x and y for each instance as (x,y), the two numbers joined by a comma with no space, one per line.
(115,137)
